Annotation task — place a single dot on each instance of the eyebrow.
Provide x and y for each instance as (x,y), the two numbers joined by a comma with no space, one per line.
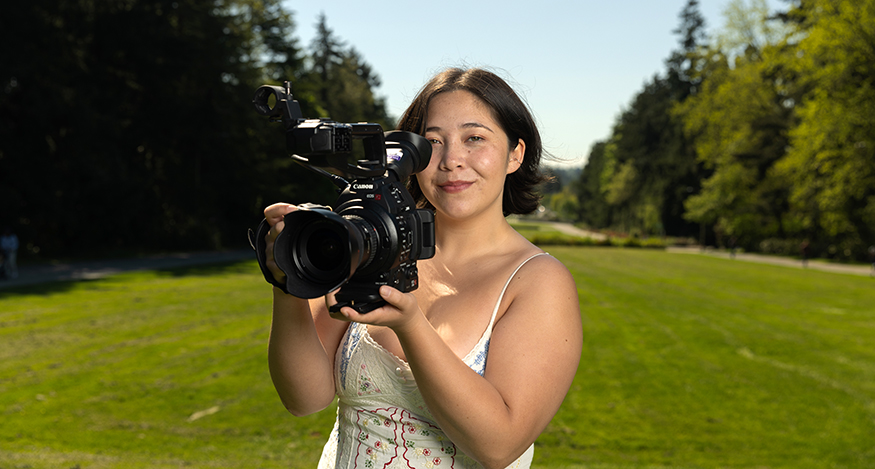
(467,125)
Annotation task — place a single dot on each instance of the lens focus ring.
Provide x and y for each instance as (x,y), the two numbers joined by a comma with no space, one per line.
(370,236)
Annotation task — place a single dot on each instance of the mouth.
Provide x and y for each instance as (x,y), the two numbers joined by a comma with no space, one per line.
(453,187)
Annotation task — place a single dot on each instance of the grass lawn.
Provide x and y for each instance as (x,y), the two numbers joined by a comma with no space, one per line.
(688,362)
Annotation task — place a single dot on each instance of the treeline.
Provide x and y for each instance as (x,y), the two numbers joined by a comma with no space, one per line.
(128,124)
(762,136)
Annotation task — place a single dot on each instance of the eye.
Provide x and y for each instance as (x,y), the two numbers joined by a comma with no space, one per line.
(475,138)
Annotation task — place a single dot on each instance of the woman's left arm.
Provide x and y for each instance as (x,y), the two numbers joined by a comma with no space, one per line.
(533,356)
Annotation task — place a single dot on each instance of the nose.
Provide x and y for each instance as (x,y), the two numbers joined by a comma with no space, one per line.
(452,156)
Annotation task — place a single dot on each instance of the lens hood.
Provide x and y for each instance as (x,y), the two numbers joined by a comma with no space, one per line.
(318,250)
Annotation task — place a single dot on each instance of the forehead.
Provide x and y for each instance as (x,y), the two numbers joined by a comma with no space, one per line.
(458,105)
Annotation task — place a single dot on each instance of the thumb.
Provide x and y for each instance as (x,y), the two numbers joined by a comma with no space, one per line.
(396,298)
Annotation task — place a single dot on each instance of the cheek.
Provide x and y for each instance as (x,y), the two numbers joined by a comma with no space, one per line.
(432,167)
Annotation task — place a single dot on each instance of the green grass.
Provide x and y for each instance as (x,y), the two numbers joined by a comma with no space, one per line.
(688,362)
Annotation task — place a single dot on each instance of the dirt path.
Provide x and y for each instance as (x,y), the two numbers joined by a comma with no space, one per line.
(572,230)
(815,264)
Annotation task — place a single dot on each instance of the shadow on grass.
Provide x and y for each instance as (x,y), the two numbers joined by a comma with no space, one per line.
(51,287)
(43,289)
(211,270)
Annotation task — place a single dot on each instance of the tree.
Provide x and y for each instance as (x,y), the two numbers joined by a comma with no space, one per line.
(343,81)
(594,209)
(138,133)
(648,167)
(831,157)
(739,120)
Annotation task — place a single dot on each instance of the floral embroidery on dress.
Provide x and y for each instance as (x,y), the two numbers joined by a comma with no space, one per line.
(416,430)
(387,434)
(366,385)
(375,441)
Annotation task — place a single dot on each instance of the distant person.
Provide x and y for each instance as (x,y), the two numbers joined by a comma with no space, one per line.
(733,245)
(9,247)
(872,259)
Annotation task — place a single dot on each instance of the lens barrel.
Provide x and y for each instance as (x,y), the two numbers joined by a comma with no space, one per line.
(319,250)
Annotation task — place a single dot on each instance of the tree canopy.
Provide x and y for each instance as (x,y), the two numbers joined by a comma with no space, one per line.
(128,124)
(762,133)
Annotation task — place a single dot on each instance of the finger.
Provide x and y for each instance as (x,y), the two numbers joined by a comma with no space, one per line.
(275,213)
(344,314)
(274,231)
(271,264)
(348,313)
(275,218)
(330,299)
(396,298)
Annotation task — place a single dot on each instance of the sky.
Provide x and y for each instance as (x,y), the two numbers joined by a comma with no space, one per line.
(577,63)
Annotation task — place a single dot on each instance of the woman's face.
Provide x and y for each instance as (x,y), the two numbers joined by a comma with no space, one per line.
(470,156)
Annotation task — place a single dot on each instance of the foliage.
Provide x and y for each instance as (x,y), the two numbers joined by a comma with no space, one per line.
(831,159)
(739,122)
(687,364)
(779,111)
(594,209)
(565,204)
(129,124)
(639,178)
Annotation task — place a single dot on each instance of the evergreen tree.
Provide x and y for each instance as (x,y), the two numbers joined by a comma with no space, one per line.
(343,81)
(649,167)
(129,124)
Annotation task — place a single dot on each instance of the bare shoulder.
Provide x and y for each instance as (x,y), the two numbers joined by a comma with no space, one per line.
(542,276)
(542,292)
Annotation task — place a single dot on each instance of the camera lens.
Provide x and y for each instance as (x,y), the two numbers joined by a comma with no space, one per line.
(322,249)
(319,250)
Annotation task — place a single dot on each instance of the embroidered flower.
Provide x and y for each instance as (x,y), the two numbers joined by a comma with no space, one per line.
(365,383)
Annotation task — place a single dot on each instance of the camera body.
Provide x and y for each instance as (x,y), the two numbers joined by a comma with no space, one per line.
(374,235)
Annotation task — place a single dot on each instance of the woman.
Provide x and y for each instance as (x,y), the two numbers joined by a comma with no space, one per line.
(467,370)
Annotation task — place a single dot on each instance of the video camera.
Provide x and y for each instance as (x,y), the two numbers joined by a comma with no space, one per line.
(375,234)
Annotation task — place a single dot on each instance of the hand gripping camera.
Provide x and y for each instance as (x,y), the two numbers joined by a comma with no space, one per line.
(374,235)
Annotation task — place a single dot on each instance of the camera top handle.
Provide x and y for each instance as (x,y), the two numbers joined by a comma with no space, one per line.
(322,142)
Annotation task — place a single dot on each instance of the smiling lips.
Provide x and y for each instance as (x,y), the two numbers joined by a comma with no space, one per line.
(453,187)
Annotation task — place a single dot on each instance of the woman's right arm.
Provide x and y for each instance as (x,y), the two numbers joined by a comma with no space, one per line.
(303,339)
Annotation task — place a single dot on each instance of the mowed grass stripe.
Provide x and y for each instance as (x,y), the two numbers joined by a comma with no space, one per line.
(691,361)
(688,361)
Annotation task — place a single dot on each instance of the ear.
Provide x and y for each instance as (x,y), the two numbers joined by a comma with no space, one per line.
(515,157)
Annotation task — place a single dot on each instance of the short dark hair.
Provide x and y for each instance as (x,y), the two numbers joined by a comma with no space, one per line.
(511,113)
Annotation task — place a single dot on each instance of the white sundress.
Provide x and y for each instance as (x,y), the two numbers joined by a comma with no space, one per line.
(382,420)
